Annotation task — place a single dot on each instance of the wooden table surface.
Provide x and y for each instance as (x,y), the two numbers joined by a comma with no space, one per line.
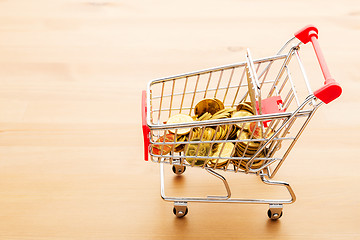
(71,75)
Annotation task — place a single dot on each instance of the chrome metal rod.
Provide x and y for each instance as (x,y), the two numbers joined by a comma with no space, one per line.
(198,91)
(206,123)
(228,200)
(212,172)
(292,86)
(306,79)
(219,68)
(264,178)
(287,43)
(295,140)
(281,72)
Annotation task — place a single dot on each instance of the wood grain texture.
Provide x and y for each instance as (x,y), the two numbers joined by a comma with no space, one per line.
(71,160)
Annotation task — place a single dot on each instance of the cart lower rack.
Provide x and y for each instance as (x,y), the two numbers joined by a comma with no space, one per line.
(235,118)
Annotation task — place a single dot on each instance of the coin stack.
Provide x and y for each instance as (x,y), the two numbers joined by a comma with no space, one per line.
(215,146)
(247,148)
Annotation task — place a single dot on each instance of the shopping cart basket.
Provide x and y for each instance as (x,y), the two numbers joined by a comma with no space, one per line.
(278,91)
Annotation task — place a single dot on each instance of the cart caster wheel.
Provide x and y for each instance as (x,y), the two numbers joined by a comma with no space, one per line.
(180,209)
(178,169)
(179,213)
(274,215)
(275,211)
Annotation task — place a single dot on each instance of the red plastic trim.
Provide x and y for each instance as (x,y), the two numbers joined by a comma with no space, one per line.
(145,127)
(329,92)
(304,34)
(268,106)
(331,89)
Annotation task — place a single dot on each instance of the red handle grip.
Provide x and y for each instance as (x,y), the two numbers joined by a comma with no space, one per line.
(145,127)
(331,89)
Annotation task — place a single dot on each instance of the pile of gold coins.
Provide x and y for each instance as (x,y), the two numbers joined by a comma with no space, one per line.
(204,142)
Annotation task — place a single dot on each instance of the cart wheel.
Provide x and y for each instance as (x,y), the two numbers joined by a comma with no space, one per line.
(274,215)
(178,169)
(180,209)
(180,212)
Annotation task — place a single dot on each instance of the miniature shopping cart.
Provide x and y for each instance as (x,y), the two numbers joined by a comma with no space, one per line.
(277,87)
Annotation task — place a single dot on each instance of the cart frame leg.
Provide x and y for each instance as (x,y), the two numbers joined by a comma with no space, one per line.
(227,199)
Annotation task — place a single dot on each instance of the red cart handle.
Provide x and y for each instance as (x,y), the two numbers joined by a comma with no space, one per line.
(331,89)
(145,127)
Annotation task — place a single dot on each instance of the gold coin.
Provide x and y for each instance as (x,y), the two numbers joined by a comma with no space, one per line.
(227,149)
(246,151)
(242,113)
(208,105)
(257,163)
(194,150)
(257,132)
(221,104)
(195,133)
(224,113)
(180,147)
(221,133)
(180,118)
(163,149)
(223,130)
(226,132)
(254,111)
(206,134)
(240,153)
(243,135)
(205,116)
(246,106)
(233,131)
